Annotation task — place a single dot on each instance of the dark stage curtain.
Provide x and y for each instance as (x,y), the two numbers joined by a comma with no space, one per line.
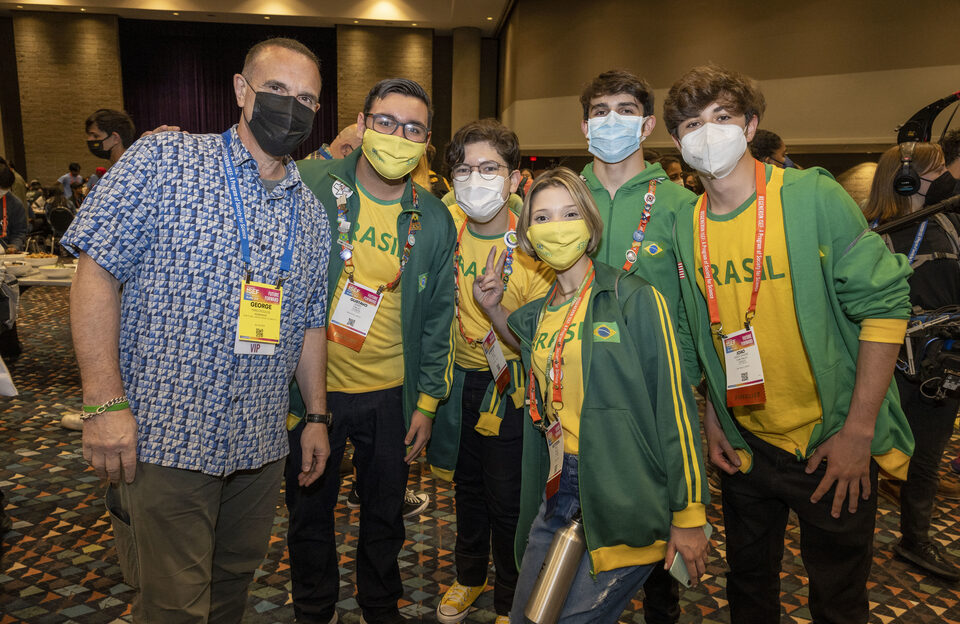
(179,73)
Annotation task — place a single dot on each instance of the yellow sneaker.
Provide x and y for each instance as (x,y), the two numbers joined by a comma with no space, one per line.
(502,619)
(456,602)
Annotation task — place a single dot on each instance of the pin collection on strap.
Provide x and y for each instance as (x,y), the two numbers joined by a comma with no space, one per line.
(510,241)
(346,248)
(555,361)
(648,200)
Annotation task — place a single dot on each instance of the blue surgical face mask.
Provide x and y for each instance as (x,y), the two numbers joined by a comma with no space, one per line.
(614,137)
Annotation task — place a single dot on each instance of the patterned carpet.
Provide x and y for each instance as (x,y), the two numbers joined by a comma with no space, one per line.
(60,564)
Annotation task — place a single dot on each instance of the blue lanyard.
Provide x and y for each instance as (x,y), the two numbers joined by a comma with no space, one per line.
(287,260)
(917,240)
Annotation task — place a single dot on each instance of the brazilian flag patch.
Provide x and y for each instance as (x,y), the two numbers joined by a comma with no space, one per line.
(606,332)
(653,249)
(422,282)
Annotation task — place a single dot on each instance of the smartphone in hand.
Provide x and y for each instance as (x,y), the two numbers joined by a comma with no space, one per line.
(678,569)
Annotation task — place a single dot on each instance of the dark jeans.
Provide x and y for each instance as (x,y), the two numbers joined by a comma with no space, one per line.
(932,425)
(837,552)
(488,494)
(375,425)
(661,597)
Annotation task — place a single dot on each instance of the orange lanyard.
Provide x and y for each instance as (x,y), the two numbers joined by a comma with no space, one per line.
(346,248)
(507,270)
(708,282)
(648,199)
(3,233)
(554,366)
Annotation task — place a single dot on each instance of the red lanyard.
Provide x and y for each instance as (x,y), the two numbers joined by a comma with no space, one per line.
(346,248)
(648,199)
(708,283)
(555,363)
(507,270)
(3,233)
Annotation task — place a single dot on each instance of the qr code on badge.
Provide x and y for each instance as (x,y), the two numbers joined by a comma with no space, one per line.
(744,376)
(259,332)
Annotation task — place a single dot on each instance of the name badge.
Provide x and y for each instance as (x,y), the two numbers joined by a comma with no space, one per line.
(495,360)
(258,323)
(353,316)
(554,435)
(744,371)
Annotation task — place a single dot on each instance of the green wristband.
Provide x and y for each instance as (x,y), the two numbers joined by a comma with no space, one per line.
(93,409)
(430,415)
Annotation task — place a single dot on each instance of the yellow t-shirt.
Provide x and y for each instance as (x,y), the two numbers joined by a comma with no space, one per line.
(376,259)
(529,281)
(792,407)
(572,366)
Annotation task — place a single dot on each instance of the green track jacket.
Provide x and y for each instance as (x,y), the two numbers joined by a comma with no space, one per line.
(426,304)
(657,262)
(842,274)
(640,468)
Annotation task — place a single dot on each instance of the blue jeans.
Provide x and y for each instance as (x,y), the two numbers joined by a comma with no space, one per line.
(599,598)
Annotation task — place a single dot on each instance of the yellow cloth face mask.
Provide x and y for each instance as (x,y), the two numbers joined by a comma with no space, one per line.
(391,155)
(559,243)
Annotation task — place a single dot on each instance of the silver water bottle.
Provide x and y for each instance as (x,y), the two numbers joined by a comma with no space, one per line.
(557,574)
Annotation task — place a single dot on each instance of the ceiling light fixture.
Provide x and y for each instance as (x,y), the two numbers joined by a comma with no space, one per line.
(176,13)
(83,10)
(266,17)
(356,21)
(413,24)
(489,19)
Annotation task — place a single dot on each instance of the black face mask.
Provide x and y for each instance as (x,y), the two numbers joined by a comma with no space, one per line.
(279,122)
(96,148)
(942,188)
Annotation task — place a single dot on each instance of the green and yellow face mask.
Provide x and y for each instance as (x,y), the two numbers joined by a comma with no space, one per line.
(559,243)
(391,155)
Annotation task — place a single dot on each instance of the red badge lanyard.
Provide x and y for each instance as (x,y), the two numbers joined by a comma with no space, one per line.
(555,363)
(634,252)
(3,233)
(708,282)
(456,273)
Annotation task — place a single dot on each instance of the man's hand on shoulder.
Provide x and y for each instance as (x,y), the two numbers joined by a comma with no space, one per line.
(110,445)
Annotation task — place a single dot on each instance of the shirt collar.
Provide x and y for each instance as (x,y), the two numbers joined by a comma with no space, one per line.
(242,156)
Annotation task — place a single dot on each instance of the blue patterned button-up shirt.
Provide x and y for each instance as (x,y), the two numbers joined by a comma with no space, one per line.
(162,222)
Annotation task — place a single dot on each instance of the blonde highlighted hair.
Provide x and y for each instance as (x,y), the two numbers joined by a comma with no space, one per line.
(564,178)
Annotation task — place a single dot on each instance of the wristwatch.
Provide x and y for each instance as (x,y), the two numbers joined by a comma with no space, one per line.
(323,419)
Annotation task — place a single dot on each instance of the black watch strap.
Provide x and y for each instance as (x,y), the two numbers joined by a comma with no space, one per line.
(323,419)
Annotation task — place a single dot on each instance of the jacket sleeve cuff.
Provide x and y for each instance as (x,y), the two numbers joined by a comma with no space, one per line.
(883,330)
(694,515)
(428,404)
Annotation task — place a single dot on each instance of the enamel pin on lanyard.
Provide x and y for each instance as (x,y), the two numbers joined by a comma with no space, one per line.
(358,304)
(258,318)
(741,354)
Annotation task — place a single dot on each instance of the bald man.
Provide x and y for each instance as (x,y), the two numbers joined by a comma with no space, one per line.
(341,147)
(222,253)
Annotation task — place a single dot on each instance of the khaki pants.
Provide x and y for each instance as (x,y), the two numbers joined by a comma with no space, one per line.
(189,542)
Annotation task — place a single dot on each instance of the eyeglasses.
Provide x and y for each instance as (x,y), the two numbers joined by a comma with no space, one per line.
(387,124)
(488,170)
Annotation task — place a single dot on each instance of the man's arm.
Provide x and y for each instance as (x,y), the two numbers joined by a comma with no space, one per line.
(110,438)
(311,377)
(848,451)
(16,223)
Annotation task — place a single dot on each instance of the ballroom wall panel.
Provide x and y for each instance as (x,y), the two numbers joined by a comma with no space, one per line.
(837,75)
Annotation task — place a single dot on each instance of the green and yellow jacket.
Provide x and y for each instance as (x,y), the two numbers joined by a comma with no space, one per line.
(657,261)
(426,303)
(843,275)
(640,463)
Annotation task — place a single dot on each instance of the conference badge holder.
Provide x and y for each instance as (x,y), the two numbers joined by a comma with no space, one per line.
(495,360)
(353,316)
(744,370)
(258,325)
